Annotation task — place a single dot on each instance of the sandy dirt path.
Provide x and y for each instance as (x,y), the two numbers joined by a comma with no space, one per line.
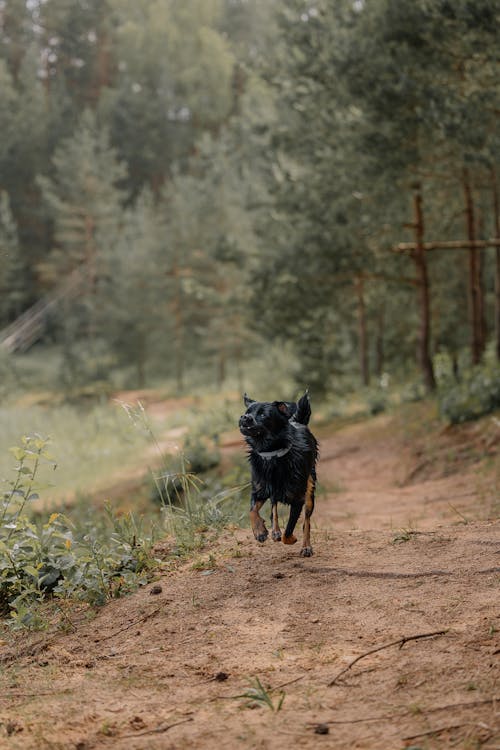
(399,552)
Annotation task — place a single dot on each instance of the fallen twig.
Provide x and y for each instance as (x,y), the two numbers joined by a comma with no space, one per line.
(393,717)
(353,721)
(470,704)
(290,682)
(439,730)
(400,642)
(157,730)
(139,621)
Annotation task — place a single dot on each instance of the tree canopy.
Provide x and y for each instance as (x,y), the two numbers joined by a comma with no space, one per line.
(231,174)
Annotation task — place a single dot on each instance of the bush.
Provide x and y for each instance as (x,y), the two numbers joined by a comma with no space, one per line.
(48,559)
(476,394)
(376,401)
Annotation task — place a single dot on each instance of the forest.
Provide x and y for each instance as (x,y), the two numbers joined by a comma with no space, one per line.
(186,185)
(201,199)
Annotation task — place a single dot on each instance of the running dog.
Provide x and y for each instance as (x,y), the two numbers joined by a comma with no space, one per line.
(283,453)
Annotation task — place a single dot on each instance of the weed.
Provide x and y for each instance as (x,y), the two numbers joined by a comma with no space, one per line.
(465,520)
(415,709)
(402,536)
(50,559)
(477,393)
(257,695)
(208,564)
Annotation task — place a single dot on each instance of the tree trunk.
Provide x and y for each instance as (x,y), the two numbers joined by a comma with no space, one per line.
(419,259)
(475,288)
(379,350)
(362,334)
(141,365)
(221,367)
(178,331)
(496,217)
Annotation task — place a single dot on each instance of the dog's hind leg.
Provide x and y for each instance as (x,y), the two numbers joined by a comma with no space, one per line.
(258,525)
(307,550)
(276,532)
(295,511)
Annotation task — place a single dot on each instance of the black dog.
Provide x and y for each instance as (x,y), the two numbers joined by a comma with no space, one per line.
(283,455)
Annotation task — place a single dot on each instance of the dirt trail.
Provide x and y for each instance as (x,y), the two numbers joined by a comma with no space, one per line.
(392,559)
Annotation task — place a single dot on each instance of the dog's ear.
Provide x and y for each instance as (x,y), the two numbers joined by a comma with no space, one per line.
(283,408)
(303,413)
(247,400)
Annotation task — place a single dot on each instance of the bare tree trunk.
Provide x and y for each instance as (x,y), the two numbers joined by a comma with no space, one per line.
(379,350)
(178,331)
(419,259)
(141,365)
(475,289)
(496,217)
(362,334)
(221,367)
(90,263)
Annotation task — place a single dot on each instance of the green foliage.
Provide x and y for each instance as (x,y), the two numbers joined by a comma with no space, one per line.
(476,393)
(229,173)
(377,400)
(12,270)
(50,559)
(257,695)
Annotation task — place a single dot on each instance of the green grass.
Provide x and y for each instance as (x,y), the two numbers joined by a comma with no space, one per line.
(87,444)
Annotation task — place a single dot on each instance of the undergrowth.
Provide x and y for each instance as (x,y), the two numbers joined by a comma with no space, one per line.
(192,504)
(474,395)
(41,559)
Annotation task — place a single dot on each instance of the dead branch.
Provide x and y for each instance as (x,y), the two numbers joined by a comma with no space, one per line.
(132,624)
(425,711)
(440,730)
(400,642)
(378,574)
(464,704)
(157,730)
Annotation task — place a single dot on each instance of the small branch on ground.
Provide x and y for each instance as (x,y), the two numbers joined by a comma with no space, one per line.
(392,717)
(139,621)
(400,642)
(447,728)
(157,730)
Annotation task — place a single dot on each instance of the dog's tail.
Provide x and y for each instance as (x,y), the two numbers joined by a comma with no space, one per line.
(303,412)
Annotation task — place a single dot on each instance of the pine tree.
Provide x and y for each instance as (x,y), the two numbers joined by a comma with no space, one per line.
(12,268)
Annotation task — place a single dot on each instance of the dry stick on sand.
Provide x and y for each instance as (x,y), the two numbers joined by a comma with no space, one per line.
(157,730)
(448,728)
(400,642)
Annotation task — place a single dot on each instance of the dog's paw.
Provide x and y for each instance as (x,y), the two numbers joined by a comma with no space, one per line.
(276,535)
(289,539)
(261,535)
(306,552)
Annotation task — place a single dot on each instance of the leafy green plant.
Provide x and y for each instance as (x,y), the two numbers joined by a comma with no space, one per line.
(257,695)
(377,401)
(476,394)
(38,560)
(190,505)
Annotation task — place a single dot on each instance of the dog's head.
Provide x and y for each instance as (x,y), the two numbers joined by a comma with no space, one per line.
(265,419)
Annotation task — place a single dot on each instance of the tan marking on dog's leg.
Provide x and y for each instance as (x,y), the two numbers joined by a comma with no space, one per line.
(306,550)
(258,525)
(276,532)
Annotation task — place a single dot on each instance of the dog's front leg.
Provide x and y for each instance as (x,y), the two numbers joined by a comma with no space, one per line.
(307,550)
(295,511)
(258,525)
(276,532)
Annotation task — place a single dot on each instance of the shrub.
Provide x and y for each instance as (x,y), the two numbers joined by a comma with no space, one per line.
(376,401)
(48,559)
(476,394)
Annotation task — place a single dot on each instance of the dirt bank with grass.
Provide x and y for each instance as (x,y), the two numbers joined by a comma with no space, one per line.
(406,547)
